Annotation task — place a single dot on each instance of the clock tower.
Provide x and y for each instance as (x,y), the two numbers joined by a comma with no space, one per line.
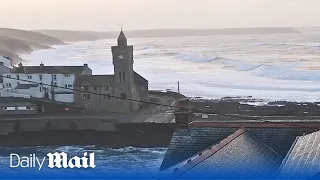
(123,69)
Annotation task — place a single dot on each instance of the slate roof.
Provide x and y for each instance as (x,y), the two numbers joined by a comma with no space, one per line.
(138,79)
(106,79)
(239,155)
(49,69)
(95,80)
(26,86)
(303,160)
(188,142)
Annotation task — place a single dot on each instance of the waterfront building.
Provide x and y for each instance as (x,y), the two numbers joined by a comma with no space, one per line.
(51,82)
(5,64)
(114,92)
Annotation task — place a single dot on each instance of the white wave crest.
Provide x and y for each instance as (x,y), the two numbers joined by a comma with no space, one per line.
(281,71)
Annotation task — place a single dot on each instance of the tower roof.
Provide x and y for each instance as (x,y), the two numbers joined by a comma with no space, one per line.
(122,40)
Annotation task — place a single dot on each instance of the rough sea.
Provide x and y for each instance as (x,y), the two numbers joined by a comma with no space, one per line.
(269,67)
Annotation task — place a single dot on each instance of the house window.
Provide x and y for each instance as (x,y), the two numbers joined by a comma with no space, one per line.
(8,76)
(68,75)
(106,96)
(123,96)
(106,87)
(86,96)
(29,76)
(40,77)
(40,89)
(54,77)
(120,76)
(18,77)
(8,84)
(65,86)
(124,76)
(86,88)
(69,85)
(55,84)
(95,88)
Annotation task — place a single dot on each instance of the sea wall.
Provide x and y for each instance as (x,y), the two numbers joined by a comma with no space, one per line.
(91,131)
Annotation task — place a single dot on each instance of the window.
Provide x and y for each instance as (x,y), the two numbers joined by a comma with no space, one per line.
(55,84)
(54,77)
(120,76)
(86,88)
(22,108)
(124,76)
(106,87)
(10,108)
(68,75)
(9,76)
(29,76)
(18,77)
(95,88)
(123,96)
(8,84)
(40,77)
(106,96)
(86,96)
(69,85)
(65,86)
(40,89)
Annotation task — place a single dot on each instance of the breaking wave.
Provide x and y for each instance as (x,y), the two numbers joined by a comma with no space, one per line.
(281,71)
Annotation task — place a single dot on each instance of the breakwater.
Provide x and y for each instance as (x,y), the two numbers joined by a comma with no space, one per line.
(88,131)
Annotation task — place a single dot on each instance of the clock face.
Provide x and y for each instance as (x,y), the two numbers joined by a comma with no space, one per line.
(120,57)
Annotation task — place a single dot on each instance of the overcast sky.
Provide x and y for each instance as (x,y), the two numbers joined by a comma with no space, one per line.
(104,15)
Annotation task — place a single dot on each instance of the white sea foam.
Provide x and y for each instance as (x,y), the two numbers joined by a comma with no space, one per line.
(212,67)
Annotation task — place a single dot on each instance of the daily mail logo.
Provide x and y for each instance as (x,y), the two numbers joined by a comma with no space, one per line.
(55,160)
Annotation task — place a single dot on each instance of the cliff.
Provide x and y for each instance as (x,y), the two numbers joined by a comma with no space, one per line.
(14,42)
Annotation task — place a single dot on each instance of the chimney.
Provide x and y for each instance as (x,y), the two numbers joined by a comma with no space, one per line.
(20,65)
(183,114)
(41,65)
(85,65)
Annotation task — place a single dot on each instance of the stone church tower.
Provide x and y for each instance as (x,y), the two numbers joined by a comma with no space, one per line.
(123,72)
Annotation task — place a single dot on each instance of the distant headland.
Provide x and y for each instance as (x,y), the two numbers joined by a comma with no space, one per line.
(14,42)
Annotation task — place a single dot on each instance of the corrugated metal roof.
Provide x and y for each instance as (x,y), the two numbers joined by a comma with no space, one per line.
(303,161)
(239,155)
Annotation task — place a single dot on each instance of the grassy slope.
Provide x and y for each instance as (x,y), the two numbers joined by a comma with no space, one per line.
(14,42)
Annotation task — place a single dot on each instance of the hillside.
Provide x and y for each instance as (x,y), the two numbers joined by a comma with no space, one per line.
(14,42)
(91,35)
(314,29)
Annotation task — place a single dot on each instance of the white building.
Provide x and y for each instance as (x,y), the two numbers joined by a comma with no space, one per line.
(6,61)
(52,82)
(5,64)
